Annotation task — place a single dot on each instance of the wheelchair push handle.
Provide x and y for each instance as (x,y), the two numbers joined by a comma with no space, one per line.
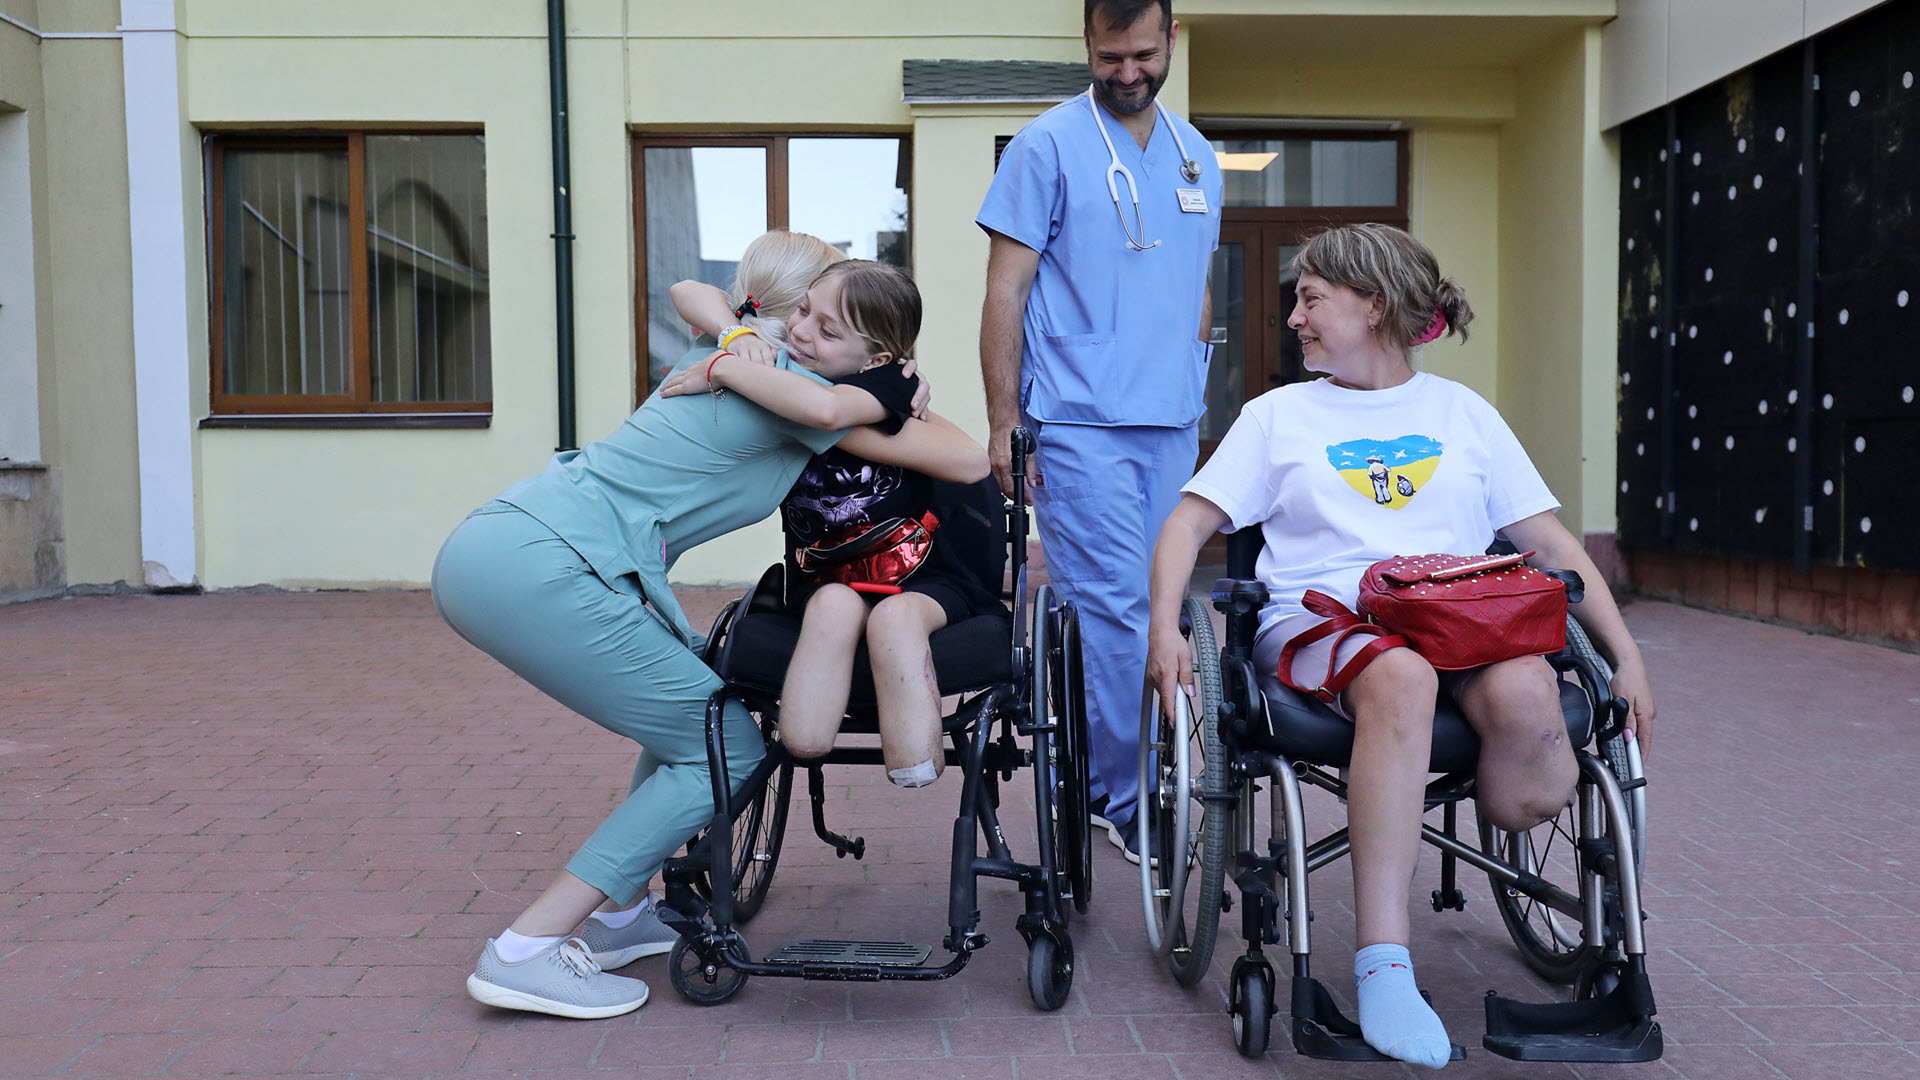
(1022,449)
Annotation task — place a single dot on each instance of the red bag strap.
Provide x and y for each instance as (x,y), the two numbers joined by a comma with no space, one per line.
(1342,623)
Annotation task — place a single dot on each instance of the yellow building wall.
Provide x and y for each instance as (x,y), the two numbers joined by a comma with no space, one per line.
(370,508)
(347,508)
(1559,272)
(88,425)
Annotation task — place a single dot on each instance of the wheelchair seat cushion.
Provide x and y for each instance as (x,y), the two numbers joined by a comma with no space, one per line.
(1300,727)
(970,655)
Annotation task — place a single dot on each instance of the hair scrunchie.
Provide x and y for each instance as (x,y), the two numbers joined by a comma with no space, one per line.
(1434,329)
(749,307)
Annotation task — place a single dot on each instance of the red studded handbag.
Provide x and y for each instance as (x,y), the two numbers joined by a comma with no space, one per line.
(1456,611)
(876,559)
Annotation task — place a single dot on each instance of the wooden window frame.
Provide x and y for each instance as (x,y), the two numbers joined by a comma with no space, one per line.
(775,144)
(1396,214)
(354,409)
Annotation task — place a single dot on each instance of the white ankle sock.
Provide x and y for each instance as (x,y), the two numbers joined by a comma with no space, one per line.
(516,948)
(620,920)
(1394,1018)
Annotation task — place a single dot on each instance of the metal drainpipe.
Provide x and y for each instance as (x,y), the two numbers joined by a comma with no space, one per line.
(562,215)
(1669,342)
(1808,289)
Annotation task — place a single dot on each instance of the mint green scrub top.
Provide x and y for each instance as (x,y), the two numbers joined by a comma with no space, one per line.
(679,472)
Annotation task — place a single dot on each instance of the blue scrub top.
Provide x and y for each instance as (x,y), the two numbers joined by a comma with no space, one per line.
(1110,331)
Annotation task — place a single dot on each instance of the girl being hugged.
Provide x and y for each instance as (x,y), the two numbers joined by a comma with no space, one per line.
(1377,460)
(865,556)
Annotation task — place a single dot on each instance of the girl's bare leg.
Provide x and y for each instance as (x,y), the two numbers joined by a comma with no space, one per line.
(907,692)
(813,700)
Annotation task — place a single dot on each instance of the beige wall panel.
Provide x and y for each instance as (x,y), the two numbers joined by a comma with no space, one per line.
(1455,210)
(808,84)
(1633,59)
(341,81)
(1713,39)
(1600,338)
(73,16)
(1821,14)
(860,19)
(344,508)
(19,67)
(90,309)
(1542,270)
(1394,93)
(383,18)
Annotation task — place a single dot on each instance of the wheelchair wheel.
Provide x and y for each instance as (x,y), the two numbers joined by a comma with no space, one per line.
(704,973)
(1181,760)
(1050,970)
(1252,1008)
(1560,946)
(757,836)
(1074,783)
(1621,754)
(1062,762)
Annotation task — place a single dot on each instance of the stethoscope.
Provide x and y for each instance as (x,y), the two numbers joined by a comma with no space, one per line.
(1189,168)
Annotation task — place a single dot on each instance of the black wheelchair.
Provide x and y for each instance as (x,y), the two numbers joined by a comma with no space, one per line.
(1018,678)
(1568,891)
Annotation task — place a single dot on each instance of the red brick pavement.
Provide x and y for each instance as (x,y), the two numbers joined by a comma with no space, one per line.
(265,834)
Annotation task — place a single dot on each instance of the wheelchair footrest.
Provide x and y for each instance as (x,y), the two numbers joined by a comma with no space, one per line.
(1616,1027)
(1321,1030)
(875,953)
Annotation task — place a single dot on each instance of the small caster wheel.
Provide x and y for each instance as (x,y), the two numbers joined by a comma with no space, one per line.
(704,974)
(1050,970)
(1252,1009)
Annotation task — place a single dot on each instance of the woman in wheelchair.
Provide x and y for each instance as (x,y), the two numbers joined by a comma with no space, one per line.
(1375,460)
(863,551)
(563,579)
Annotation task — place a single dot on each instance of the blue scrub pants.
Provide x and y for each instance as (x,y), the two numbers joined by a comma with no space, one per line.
(1104,493)
(524,596)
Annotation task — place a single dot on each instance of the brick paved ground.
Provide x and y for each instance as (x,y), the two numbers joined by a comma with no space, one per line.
(264,835)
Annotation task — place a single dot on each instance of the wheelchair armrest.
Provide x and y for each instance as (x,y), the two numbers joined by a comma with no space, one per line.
(1576,588)
(1239,596)
(767,594)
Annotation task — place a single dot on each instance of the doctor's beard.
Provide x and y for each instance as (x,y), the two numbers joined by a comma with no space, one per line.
(1108,94)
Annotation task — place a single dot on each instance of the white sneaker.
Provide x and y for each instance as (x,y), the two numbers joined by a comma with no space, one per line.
(561,980)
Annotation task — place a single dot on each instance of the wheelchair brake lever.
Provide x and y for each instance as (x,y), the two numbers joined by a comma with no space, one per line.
(1618,712)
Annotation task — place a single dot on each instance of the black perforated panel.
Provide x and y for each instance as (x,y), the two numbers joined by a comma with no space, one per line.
(1729,442)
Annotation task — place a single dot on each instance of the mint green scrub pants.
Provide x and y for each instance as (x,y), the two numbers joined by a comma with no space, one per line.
(525,597)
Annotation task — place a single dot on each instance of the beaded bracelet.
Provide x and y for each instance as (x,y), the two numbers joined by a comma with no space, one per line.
(728,335)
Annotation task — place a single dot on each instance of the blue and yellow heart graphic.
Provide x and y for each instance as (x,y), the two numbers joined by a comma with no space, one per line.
(1389,472)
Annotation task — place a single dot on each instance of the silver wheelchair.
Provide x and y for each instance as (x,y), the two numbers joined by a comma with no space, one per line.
(1021,707)
(1568,891)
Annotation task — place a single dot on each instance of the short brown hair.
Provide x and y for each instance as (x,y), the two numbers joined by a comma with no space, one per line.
(881,303)
(1120,14)
(1380,260)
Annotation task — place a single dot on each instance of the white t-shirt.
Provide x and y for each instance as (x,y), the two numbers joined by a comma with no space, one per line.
(1339,479)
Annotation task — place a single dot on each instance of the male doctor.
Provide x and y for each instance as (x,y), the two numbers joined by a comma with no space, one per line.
(1102,222)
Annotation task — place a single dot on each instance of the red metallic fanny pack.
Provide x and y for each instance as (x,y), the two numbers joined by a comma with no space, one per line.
(1456,611)
(880,557)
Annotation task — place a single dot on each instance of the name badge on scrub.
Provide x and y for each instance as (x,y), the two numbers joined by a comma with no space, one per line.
(1192,200)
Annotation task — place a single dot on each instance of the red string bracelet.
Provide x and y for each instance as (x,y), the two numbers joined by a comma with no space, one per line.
(715,360)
